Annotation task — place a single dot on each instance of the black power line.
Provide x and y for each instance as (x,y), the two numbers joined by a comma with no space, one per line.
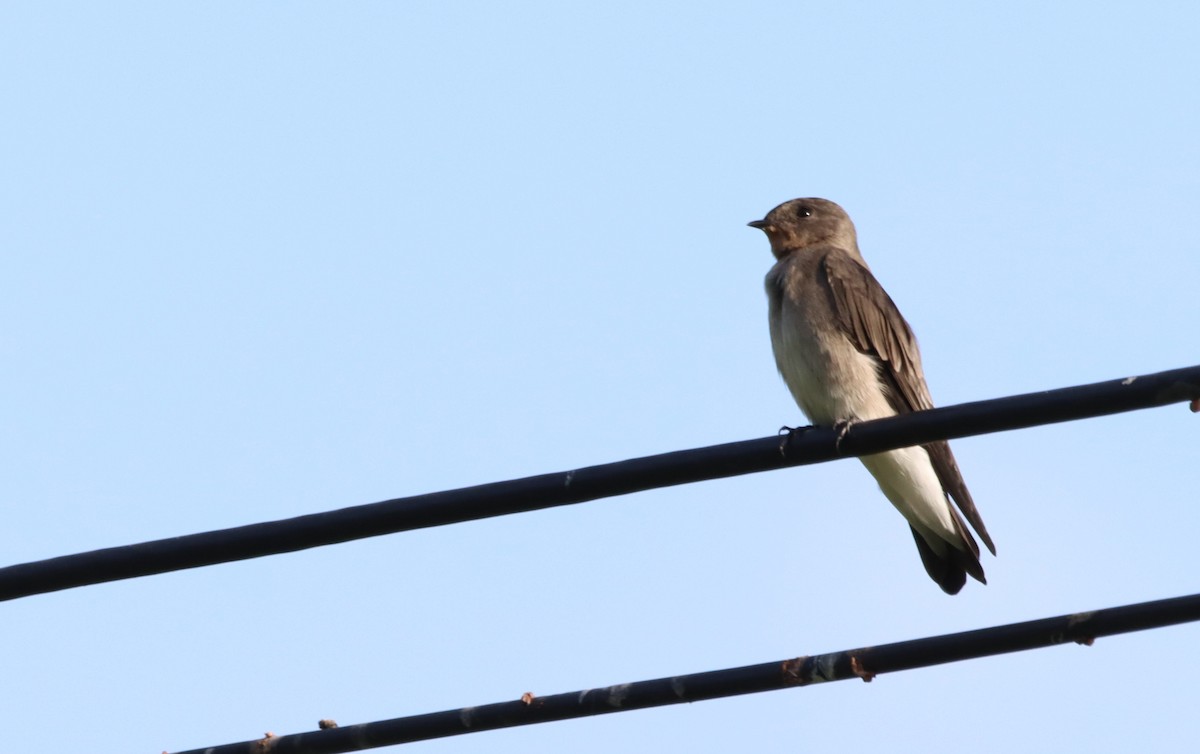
(564,488)
(864,663)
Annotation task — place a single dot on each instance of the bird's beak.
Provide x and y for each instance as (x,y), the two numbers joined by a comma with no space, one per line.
(760,224)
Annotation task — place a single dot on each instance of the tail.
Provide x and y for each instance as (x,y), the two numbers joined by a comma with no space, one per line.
(950,567)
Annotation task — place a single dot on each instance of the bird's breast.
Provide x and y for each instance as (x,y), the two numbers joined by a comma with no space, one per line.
(830,379)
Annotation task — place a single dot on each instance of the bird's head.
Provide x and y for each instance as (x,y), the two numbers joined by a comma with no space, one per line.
(802,223)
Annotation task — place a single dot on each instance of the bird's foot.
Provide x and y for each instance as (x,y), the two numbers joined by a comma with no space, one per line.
(787,433)
(842,428)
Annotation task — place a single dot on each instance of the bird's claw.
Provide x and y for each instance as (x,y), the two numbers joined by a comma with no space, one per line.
(787,433)
(841,428)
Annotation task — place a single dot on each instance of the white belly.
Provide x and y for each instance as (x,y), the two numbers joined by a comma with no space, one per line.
(829,378)
(907,479)
(832,381)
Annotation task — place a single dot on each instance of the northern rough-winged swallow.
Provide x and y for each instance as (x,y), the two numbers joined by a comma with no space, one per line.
(847,355)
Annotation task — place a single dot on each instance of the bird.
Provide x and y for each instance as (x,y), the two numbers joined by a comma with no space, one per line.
(847,355)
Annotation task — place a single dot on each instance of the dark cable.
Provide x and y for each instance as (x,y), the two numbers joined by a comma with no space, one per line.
(805,446)
(864,663)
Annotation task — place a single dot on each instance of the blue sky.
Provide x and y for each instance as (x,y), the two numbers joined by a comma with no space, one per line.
(262,260)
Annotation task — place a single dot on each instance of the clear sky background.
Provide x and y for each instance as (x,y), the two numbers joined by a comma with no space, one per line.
(261,260)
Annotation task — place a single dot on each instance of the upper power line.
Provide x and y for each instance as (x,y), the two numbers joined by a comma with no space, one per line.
(810,445)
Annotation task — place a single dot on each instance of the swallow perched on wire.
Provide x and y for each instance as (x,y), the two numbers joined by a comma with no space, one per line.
(847,355)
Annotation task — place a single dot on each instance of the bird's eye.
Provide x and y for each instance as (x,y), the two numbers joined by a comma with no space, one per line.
(804,212)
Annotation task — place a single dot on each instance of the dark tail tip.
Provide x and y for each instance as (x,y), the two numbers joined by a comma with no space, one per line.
(949,571)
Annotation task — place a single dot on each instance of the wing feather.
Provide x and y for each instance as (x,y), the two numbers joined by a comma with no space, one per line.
(875,326)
